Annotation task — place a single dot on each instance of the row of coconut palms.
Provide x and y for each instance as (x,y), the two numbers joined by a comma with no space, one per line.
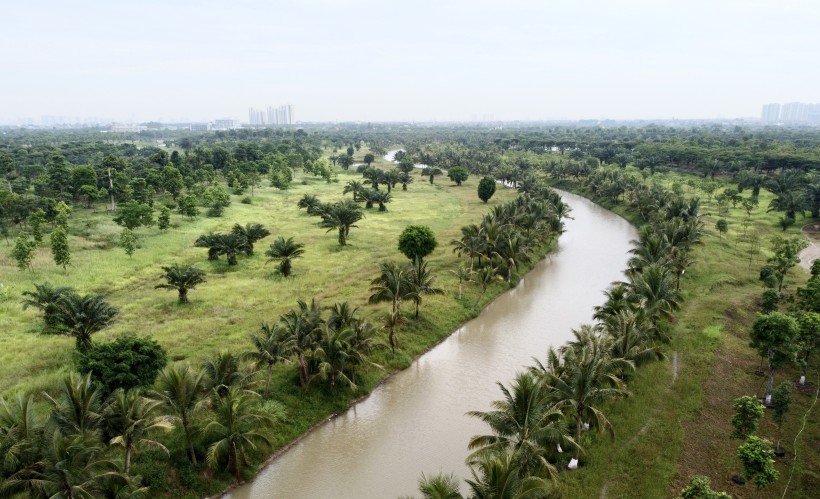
(546,408)
(508,235)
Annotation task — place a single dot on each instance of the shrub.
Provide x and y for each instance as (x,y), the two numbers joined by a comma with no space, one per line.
(125,363)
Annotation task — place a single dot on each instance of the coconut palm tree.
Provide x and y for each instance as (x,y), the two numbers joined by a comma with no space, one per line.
(82,316)
(484,277)
(631,338)
(471,243)
(128,417)
(285,250)
(342,216)
(179,391)
(270,348)
(496,476)
(332,355)
(439,486)
(181,278)
(655,292)
(392,321)
(421,283)
(237,431)
(46,298)
(342,315)
(462,274)
(300,328)
(392,285)
(78,412)
(526,423)
(582,377)
(222,372)
(252,233)
(22,443)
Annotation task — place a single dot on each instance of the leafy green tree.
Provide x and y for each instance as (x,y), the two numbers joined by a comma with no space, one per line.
(23,251)
(368,159)
(59,248)
(129,418)
(128,241)
(773,336)
(132,215)
(345,161)
(285,250)
(237,432)
(722,226)
(486,188)
(406,164)
(164,218)
(757,457)
(127,362)
(458,174)
(417,241)
(807,339)
(63,214)
(35,222)
(187,206)
(216,199)
(181,278)
(781,400)
(786,256)
(748,411)
(699,487)
(769,301)
(82,316)
(179,390)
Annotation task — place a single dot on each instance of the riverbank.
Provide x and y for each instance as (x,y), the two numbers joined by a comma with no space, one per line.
(416,422)
(677,423)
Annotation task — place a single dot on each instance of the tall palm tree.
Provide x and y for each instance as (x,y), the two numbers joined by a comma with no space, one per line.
(512,251)
(222,372)
(270,348)
(421,283)
(237,431)
(655,292)
(82,316)
(526,423)
(285,250)
(496,476)
(392,285)
(332,355)
(22,443)
(484,277)
(179,391)
(46,298)
(128,418)
(392,321)
(342,216)
(471,243)
(78,412)
(181,278)
(252,233)
(342,315)
(631,338)
(462,274)
(300,328)
(585,377)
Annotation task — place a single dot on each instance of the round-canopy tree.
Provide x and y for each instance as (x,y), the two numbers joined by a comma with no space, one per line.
(417,241)
(126,363)
(181,278)
(458,174)
(486,188)
(773,336)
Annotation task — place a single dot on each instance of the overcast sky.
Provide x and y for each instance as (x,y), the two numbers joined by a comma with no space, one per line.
(414,60)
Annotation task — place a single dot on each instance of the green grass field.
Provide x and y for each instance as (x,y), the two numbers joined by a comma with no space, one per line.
(677,423)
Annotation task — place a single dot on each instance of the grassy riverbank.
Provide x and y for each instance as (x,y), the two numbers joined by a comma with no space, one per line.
(234,301)
(677,423)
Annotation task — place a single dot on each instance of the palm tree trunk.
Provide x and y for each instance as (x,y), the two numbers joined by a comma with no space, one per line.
(183,295)
(267,382)
(127,466)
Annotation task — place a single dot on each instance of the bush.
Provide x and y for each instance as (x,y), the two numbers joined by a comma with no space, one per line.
(247,200)
(699,487)
(486,188)
(125,363)
(768,301)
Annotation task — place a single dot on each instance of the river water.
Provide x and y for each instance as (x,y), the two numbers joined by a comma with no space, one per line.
(415,422)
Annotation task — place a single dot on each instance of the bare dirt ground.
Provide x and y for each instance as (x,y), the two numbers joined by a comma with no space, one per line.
(808,255)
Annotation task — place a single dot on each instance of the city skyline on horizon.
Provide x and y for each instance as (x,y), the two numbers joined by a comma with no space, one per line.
(367,61)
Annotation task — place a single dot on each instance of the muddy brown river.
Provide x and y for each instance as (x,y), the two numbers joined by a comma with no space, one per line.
(415,422)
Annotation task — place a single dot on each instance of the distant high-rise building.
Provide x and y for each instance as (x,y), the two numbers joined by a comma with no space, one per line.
(791,112)
(256,117)
(225,124)
(771,112)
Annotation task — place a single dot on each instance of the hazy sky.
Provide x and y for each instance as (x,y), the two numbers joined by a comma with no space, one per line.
(383,60)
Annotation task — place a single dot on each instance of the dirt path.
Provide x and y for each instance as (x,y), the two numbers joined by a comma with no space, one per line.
(808,255)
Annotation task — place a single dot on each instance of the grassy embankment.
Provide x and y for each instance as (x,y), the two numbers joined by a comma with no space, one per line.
(677,423)
(235,300)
